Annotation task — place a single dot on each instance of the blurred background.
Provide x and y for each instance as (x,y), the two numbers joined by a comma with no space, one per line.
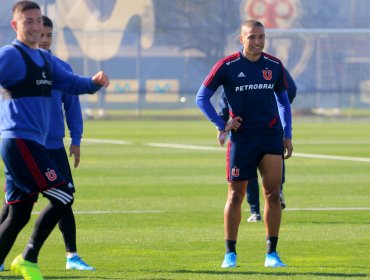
(157,52)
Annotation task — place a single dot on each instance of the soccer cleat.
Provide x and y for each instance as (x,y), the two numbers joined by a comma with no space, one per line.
(2,267)
(282,200)
(229,260)
(29,270)
(77,263)
(254,218)
(273,260)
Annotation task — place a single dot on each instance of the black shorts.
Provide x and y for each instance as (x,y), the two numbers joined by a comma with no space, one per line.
(29,171)
(243,158)
(60,158)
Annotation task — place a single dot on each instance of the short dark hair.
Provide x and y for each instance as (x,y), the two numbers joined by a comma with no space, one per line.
(22,6)
(251,23)
(47,22)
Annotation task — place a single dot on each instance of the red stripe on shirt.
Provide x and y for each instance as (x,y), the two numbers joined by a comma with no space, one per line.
(273,122)
(217,66)
(228,160)
(31,164)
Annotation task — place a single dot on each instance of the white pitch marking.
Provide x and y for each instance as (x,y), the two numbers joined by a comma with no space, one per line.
(208,148)
(160,212)
(114,212)
(186,147)
(119,212)
(329,209)
(106,141)
(330,142)
(331,157)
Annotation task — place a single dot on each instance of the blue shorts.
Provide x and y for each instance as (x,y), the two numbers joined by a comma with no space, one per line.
(243,157)
(28,171)
(60,159)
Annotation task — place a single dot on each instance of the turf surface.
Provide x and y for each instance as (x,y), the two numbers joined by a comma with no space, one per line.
(147,212)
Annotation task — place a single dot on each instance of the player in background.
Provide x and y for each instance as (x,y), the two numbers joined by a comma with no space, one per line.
(27,76)
(253,186)
(70,105)
(250,78)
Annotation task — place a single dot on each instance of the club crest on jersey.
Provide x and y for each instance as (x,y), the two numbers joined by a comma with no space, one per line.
(267,74)
(51,175)
(235,171)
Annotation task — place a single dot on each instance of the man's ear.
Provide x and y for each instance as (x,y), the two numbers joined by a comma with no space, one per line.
(13,24)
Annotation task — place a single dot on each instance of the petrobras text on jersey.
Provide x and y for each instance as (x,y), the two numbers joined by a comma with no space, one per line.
(254,87)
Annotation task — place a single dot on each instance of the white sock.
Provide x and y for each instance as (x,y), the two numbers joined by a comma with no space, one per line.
(71,255)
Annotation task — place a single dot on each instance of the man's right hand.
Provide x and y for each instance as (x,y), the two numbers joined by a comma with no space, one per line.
(233,124)
(101,79)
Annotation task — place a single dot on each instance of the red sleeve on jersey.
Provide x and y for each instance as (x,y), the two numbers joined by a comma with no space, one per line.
(210,80)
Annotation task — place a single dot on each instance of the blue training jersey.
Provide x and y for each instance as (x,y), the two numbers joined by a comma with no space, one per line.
(26,116)
(291,91)
(249,88)
(64,106)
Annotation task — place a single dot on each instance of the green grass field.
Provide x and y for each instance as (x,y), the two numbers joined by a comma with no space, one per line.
(147,212)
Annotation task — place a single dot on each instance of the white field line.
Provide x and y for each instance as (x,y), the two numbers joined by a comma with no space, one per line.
(208,148)
(120,142)
(115,212)
(186,147)
(331,157)
(97,212)
(329,142)
(106,141)
(329,209)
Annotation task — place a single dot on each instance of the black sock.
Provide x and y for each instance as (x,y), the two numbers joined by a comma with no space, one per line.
(230,246)
(67,226)
(271,244)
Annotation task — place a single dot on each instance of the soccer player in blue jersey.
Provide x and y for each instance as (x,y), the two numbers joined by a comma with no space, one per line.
(252,193)
(27,76)
(70,105)
(250,78)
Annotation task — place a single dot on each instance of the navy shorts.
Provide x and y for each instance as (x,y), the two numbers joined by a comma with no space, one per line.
(243,157)
(60,159)
(29,171)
